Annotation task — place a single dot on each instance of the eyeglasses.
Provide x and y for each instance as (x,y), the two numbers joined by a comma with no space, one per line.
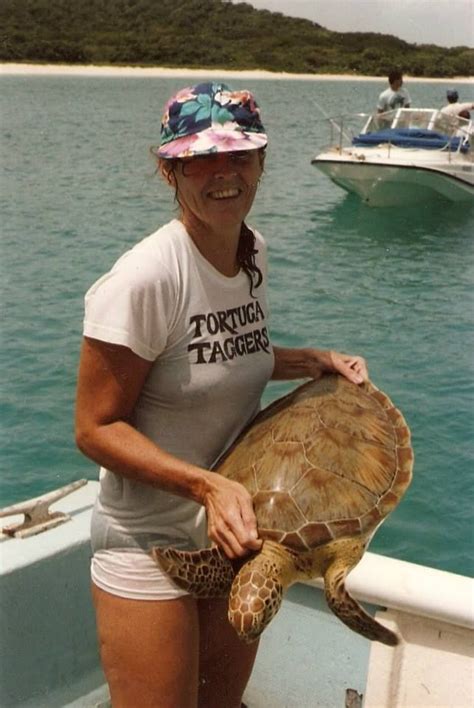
(205,163)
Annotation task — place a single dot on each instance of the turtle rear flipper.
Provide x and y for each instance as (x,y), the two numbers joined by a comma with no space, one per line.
(258,588)
(348,609)
(205,574)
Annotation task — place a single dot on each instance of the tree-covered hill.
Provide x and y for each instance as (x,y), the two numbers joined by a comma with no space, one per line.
(206,33)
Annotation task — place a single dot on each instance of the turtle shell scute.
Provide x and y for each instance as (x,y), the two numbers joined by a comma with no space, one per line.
(323,496)
(277,511)
(369,466)
(245,476)
(283,466)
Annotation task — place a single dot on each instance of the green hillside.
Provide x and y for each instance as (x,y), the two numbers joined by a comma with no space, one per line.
(206,33)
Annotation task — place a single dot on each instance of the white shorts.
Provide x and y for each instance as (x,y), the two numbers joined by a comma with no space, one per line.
(132,574)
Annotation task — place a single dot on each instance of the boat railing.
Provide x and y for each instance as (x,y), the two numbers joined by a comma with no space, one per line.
(412,128)
(344,128)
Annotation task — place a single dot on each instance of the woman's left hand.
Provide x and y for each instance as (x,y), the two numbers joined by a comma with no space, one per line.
(354,368)
(302,363)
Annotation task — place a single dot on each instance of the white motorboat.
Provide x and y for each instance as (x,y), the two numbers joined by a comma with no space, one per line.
(401,157)
(307,657)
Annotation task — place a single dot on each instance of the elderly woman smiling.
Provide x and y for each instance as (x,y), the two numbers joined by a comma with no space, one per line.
(175,357)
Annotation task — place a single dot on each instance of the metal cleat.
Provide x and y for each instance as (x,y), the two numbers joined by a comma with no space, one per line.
(36,511)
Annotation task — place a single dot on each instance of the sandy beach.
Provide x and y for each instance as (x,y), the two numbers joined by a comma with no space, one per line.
(163,72)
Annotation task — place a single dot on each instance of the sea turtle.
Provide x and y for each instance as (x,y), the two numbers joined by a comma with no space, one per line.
(324,465)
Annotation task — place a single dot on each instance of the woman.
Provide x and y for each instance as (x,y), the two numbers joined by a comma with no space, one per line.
(175,357)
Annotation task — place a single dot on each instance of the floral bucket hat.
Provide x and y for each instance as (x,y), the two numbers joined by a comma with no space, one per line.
(210,118)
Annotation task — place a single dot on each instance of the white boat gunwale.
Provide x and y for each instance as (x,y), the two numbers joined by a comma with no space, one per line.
(366,163)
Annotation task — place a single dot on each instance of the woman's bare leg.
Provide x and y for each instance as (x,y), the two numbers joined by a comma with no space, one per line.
(225,662)
(149,650)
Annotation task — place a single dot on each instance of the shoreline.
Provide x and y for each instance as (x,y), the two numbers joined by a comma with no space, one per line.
(14,69)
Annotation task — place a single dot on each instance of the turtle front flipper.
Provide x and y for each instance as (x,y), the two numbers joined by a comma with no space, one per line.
(206,573)
(257,590)
(344,605)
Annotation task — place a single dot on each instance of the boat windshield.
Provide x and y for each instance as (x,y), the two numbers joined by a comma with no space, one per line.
(425,128)
(419,119)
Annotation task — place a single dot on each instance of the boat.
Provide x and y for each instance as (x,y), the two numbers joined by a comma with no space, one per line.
(401,157)
(307,657)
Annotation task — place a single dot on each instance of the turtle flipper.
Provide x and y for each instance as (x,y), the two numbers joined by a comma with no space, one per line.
(347,608)
(206,573)
(257,590)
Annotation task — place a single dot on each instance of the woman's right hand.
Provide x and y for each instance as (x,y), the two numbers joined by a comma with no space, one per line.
(231,521)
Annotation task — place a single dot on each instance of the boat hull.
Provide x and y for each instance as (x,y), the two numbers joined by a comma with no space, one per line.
(395,184)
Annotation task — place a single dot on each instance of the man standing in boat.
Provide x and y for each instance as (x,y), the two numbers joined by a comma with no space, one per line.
(395,96)
(456,109)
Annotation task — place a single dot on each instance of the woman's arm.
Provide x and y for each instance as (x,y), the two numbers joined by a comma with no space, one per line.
(313,363)
(110,380)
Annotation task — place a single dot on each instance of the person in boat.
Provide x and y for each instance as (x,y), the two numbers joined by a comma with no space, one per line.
(175,357)
(455,108)
(395,96)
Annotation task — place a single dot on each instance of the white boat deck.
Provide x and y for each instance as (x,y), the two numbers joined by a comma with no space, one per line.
(307,659)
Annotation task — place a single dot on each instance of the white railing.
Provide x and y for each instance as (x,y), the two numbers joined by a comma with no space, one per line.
(344,128)
(412,588)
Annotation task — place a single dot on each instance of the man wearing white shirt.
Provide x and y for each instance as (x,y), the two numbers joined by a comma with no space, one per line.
(395,96)
(454,108)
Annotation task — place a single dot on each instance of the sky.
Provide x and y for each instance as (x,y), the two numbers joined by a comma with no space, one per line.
(447,23)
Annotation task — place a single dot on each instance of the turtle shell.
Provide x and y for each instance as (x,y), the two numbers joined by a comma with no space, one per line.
(329,460)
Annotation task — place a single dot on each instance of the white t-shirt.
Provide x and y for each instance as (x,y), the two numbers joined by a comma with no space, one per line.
(454,109)
(389,99)
(208,339)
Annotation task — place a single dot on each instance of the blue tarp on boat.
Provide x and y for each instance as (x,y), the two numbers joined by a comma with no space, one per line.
(410,138)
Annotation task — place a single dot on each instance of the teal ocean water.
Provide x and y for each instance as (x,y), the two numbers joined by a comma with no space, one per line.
(78,188)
